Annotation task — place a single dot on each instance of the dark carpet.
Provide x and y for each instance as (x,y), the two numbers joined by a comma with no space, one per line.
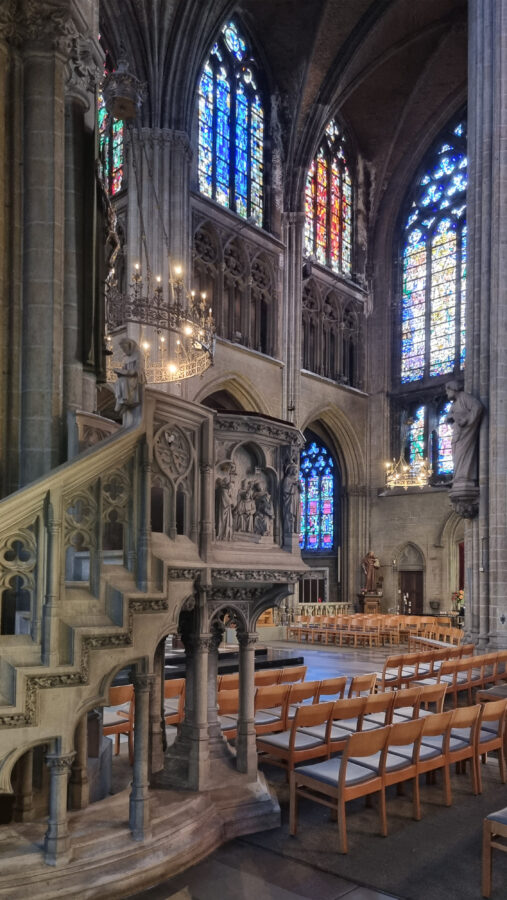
(438,858)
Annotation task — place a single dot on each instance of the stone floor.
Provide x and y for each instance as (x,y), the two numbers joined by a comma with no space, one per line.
(240,871)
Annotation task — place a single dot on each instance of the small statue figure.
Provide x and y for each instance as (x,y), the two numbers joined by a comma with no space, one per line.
(465,416)
(264,510)
(223,507)
(291,490)
(245,508)
(369,565)
(128,386)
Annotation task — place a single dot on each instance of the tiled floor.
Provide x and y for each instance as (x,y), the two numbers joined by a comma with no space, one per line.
(241,871)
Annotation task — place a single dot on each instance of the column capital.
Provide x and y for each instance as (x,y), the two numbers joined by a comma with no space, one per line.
(247,639)
(82,69)
(143,682)
(61,762)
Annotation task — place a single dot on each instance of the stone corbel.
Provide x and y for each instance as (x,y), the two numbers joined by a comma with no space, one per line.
(465,500)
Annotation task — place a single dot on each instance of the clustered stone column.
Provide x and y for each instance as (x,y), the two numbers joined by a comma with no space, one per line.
(139,808)
(57,842)
(79,785)
(293,226)
(246,739)
(486,317)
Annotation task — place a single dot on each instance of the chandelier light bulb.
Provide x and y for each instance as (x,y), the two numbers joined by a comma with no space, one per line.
(137,267)
(146,345)
(178,271)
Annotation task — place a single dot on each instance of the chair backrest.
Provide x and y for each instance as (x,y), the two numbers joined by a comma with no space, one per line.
(314,714)
(365,743)
(303,690)
(267,676)
(331,687)
(349,708)
(229,682)
(380,703)
(407,697)
(174,687)
(270,696)
(120,694)
(467,649)
(433,693)
(405,733)
(495,711)
(466,717)
(228,702)
(291,674)
(362,684)
(440,723)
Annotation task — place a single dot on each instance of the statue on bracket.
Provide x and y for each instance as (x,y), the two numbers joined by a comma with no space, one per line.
(370,566)
(264,510)
(245,508)
(130,378)
(224,504)
(465,417)
(291,490)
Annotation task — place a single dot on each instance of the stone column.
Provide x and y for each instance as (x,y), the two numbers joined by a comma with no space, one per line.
(4,276)
(50,624)
(206,531)
(218,746)
(79,785)
(293,225)
(157,722)
(139,806)
(43,240)
(245,742)
(144,533)
(198,764)
(56,841)
(486,320)
(23,806)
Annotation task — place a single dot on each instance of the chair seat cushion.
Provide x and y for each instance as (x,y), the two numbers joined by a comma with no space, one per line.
(491,726)
(499,816)
(281,740)
(394,761)
(436,742)
(403,713)
(329,770)
(423,681)
(272,711)
(171,705)
(115,715)
(266,717)
(462,677)
(227,723)
(375,720)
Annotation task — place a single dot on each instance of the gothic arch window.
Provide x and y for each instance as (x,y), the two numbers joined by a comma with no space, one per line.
(433,257)
(328,203)
(111,148)
(231,128)
(319,497)
(429,434)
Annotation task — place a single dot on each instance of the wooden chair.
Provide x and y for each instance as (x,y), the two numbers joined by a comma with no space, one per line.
(267,677)
(118,717)
(406,704)
(377,710)
(174,701)
(431,694)
(228,706)
(270,708)
(291,674)
(346,718)
(391,675)
(433,752)
(492,736)
(494,836)
(463,740)
(336,781)
(362,684)
(286,748)
(229,682)
(299,692)
(331,688)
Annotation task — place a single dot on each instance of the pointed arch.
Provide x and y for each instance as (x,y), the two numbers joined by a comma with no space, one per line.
(240,388)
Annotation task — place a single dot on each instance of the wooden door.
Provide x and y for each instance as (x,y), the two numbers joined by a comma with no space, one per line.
(411,586)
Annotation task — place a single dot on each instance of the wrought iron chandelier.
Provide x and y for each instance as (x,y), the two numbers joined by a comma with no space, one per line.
(399,474)
(184,345)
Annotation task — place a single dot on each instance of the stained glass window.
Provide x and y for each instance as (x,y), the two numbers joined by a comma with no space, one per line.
(317,482)
(434,264)
(444,439)
(328,204)
(416,436)
(111,148)
(231,128)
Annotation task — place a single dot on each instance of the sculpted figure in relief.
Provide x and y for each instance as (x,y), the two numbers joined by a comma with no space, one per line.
(264,510)
(291,490)
(224,506)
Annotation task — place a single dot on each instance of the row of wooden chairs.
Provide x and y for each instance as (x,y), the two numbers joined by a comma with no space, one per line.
(373,759)
(287,675)
(399,670)
(432,635)
(275,706)
(361,629)
(472,673)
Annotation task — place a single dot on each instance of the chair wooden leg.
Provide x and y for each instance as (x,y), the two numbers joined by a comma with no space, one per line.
(486,859)
(416,799)
(342,826)
(383,812)
(293,813)
(501,763)
(117,745)
(447,785)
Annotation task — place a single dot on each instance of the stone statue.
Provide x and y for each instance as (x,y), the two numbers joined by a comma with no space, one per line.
(465,416)
(291,490)
(264,510)
(223,505)
(245,508)
(127,387)
(369,565)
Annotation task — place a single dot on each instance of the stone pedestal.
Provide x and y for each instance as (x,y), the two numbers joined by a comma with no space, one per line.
(56,841)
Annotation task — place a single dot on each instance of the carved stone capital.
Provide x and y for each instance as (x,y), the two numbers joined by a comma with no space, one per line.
(61,762)
(83,72)
(143,682)
(465,500)
(48,24)
(246,639)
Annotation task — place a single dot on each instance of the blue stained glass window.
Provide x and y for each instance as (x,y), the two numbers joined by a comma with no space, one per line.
(444,442)
(317,498)
(231,128)
(434,264)
(111,148)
